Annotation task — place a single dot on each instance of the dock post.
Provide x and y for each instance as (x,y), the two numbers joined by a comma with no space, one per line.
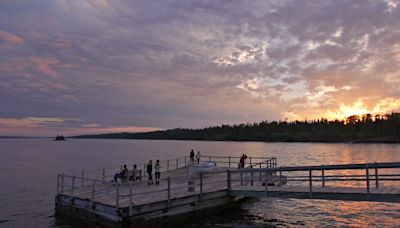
(130,198)
(228,179)
(93,191)
(251,176)
(250,162)
(117,196)
(169,191)
(201,186)
(62,182)
(73,186)
(266,184)
(241,178)
(104,174)
(177,163)
(310,178)
(280,176)
(323,176)
(367,177)
(376,176)
(82,177)
(229,161)
(167,165)
(185,160)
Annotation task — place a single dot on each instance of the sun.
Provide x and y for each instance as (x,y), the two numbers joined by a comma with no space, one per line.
(344,111)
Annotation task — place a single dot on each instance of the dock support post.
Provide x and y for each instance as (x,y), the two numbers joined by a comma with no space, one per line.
(251,182)
(117,196)
(130,199)
(323,177)
(310,178)
(201,186)
(93,191)
(228,173)
(376,177)
(104,174)
(266,184)
(280,177)
(229,161)
(169,191)
(82,177)
(367,177)
(73,186)
(250,162)
(177,163)
(241,178)
(167,165)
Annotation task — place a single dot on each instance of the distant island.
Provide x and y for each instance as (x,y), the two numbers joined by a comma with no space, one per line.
(357,129)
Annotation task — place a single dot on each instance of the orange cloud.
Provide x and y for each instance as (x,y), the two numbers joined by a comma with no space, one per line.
(10,38)
(44,65)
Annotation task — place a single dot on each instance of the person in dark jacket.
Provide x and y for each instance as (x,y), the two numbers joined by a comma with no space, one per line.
(149,172)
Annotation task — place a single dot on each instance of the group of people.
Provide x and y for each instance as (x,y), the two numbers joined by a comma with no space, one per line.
(157,172)
(124,174)
(192,157)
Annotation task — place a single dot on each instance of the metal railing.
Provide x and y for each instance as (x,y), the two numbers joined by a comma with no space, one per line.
(353,175)
(180,162)
(229,179)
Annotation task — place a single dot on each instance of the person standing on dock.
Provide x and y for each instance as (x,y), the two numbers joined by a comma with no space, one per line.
(191,157)
(242,159)
(150,171)
(198,156)
(157,173)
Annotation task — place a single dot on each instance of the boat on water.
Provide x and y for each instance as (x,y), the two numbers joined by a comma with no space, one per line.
(59,138)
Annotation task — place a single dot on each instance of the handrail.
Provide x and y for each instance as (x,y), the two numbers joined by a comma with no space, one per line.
(70,183)
(384,165)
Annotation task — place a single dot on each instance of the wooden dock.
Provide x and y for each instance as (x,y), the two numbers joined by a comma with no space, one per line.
(103,203)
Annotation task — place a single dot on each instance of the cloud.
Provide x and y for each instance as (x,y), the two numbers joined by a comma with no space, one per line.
(10,38)
(198,63)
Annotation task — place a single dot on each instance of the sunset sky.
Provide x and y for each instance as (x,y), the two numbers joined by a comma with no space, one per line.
(92,66)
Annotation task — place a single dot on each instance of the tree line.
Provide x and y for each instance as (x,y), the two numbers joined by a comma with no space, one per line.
(356,128)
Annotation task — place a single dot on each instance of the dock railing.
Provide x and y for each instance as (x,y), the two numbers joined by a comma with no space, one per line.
(105,174)
(101,184)
(366,175)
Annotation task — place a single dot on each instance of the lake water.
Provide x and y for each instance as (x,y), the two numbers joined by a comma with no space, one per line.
(28,169)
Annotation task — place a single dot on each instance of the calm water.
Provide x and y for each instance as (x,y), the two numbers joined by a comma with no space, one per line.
(28,169)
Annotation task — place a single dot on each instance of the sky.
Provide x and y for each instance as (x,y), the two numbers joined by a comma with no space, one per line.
(94,66)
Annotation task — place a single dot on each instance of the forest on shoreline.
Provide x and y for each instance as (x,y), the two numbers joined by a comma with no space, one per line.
(357,129)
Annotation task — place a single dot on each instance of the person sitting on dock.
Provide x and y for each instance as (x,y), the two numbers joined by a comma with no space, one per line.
(198,156)
(121,175)
(150,171)
(157,173)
